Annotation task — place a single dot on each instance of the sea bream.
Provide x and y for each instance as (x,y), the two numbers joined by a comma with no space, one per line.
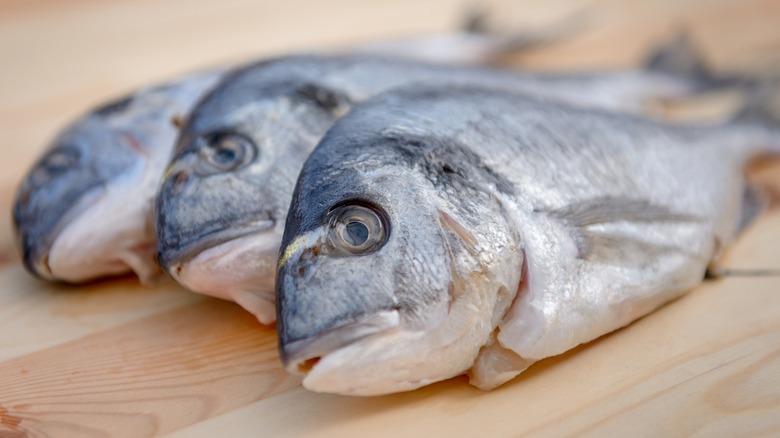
(84,210)
(436,231)
(221,209)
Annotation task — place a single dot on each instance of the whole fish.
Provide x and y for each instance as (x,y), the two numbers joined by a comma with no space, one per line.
(124,242)
(221,209)
(84,209)
(436,231)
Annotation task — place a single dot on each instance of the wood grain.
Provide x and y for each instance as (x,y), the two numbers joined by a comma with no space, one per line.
(705,365)
(117,359)
(144,378)
(41,315)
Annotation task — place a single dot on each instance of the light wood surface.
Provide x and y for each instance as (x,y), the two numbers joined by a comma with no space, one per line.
(117,359)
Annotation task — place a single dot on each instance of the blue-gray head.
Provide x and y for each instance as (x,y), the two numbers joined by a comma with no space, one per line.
(382,283)
(75,213)
(221,207)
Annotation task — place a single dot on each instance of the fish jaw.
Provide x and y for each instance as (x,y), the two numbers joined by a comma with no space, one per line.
(363,359)
(299,356)
(241,269)
(382,358)
(35,246)
(381,354)
(83,249)
(112,236)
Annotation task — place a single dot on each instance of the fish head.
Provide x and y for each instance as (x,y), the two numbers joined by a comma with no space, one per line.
(370,281)
(222,204)
(66,220)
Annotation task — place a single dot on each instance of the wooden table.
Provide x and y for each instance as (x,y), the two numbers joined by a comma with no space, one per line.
(118,359)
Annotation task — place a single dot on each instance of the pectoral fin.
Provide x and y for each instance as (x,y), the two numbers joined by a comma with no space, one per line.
(465,237)
(496,365)
(595,242)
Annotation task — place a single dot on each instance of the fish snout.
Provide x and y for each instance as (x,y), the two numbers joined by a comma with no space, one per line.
(168,210)
(178,176)
(36,261)
(178,181)
(299,356)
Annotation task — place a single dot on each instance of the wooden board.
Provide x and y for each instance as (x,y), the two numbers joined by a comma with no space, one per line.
(117,359)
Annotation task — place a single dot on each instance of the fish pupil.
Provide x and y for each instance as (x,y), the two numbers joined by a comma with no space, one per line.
(223,152)
(356,233)
(356,228)
(225,155)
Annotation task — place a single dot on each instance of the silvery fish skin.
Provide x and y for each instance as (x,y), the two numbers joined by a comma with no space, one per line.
(436,231)
(84,210)
(222,205)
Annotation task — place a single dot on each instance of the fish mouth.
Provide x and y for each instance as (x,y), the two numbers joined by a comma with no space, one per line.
(302,356)
(40,267)
(36,254)
(172,257)
(241,270)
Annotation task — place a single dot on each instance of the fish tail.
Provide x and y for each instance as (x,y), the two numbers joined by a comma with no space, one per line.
(764,139)
(762,103)
(682,58)
(478,24)
(744,140)
(761,112)
(476,42)
(759,95)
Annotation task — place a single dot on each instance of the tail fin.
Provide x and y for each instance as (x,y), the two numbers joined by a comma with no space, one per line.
(680,57)
(476,43)
(753,99)
(762,102)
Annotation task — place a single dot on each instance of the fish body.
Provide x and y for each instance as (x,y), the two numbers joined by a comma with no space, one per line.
(222,205)
(437,231)
(84,210)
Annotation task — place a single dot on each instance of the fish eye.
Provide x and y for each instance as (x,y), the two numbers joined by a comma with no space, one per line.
(357,228)
(54,163)
(224,152)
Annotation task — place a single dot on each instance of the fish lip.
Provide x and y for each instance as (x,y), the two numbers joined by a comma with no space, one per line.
(170,257)
(301,355)
(40,267)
